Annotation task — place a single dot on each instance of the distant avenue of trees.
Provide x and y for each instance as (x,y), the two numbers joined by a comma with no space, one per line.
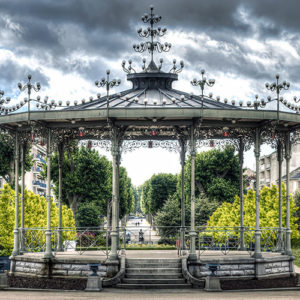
(217,181)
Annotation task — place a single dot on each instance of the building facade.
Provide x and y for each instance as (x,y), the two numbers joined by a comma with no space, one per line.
(33,179)
(269,169)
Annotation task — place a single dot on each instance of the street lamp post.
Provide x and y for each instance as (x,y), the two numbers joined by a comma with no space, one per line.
(29,86)
(278,87)
(108,84)
(202,83)
(3,101)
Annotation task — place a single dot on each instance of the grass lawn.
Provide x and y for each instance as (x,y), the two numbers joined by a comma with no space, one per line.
(296,253)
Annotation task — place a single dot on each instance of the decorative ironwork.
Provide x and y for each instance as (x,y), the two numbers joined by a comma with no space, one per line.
(130,145)
(278,87)
(258,103)
(29,86)
(103,144)
(152,32)
(202,83)
(3,101)
(108,84)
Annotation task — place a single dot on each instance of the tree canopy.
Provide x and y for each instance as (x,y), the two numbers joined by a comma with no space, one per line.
(35,216)
(156,191)
(87,178)
(7,153)
(228,214)
(216,175)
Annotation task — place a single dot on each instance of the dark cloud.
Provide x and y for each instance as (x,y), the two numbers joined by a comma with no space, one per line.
(62,34)
(13,73)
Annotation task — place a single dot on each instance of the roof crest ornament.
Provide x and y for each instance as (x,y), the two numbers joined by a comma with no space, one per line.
(152,45)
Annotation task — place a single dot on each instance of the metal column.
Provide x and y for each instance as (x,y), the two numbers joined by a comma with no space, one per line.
(192,255)
(288,249)
(182,143)
(257,251)
(48,250)
(279,159)
(60,167)
(241,162)
(16,250)
(22,230)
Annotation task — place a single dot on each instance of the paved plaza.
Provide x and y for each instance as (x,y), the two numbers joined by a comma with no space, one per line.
(147,295)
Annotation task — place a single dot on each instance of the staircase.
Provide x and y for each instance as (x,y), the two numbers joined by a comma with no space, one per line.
(153,274)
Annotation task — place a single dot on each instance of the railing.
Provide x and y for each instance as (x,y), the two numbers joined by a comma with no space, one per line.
(208,239)
(78,240)
(148,235)
(228,239)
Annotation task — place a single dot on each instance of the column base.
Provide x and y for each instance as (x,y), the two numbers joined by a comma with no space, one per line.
(48,256)
(94,284)
(288,252)
(257,255)
(48,253)
(212,284)
(192,257)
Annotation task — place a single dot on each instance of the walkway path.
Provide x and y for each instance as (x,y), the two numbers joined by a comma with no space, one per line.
(134,226)
(109,294)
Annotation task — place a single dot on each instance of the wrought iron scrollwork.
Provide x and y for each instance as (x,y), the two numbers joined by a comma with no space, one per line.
(130,145)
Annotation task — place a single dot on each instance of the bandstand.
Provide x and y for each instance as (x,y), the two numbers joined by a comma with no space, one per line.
(153,114)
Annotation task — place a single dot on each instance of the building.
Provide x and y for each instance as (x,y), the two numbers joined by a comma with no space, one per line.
(249,176)
(33,179)
(269,169)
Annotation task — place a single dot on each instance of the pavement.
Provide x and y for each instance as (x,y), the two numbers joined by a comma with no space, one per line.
(148,295)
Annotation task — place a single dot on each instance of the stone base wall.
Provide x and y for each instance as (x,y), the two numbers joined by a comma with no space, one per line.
(279,265)
(23,265)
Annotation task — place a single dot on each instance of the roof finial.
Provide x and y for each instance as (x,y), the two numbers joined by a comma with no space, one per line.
(152,32)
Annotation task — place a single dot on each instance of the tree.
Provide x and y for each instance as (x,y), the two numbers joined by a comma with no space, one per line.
(168,218)
(170,214)
(86,178)
(137,193)
(87,215)
(156,191)
(35,216)
(297,204)
(7,154)
(216,175)
(228,214)
(126,194)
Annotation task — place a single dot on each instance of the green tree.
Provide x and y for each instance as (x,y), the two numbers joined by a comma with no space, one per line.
(170,213)
(216,175)
(137,193)
(168,218)
(297,204)
(228,214)
(126,193)
(86,178)
(7,153)
(87,215)
(156,191)
(35,216)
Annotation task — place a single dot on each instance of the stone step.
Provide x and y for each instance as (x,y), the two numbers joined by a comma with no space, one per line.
(153,286)
(154,276)
(153,260)
(153,270)
(153,281)
(153,265)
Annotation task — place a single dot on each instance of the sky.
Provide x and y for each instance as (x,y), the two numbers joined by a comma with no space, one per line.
(66,45)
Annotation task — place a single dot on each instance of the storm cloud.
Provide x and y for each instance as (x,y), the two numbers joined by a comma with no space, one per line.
(248,40)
